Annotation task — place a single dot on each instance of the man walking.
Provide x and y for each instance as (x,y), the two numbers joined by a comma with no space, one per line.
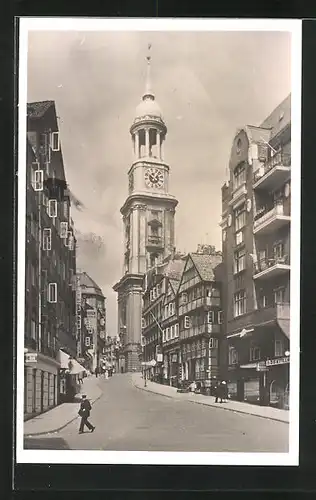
(84,412)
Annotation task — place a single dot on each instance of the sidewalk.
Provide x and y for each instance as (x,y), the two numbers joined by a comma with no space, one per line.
(236,406)
(56,419)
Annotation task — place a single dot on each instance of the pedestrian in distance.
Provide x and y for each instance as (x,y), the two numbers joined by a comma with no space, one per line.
(224,391)
(84,413)
(96,372)
(218,393)
(80,378)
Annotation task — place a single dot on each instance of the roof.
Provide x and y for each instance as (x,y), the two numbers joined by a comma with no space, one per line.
(87,282)
(279,118)
(175,284)
(205,265)
(174,269)
(38,109)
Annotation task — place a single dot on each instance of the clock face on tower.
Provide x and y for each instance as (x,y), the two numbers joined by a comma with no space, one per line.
(154,177)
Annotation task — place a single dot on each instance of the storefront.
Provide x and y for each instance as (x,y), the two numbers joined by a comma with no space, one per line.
(278,382)
(70,370)
(41,380)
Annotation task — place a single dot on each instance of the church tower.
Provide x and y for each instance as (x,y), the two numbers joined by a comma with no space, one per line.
(148,218)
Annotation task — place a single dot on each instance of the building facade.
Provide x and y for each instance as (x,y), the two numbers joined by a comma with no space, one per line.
(160,318)
(200,319)
(148,218)
(50,262)
(256,217)
(93,312)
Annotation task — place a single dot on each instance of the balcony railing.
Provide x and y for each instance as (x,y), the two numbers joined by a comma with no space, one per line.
(271,267)
(154,241)
(200,330)
(200,302)
(238,192)
(272,313)
(278,160)
(265,216)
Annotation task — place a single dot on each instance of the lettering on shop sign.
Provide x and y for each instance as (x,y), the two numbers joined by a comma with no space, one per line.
(31,357)
(278,361)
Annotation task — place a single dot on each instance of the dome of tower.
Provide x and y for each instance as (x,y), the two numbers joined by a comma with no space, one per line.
(148,107)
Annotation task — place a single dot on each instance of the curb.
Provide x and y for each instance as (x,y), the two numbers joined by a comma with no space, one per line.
(214,406)
(61,427)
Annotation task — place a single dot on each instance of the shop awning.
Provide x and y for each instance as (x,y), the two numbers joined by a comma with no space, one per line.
(68,363)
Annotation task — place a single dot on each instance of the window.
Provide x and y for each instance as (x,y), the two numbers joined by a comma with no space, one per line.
(66,210)
(167,334)
(278,251)
(239,175)
(239,237)
(47,239)
(143,323)
(166,311)
(213,343)
(151,294)
(52,208)
(239,303)
(187,322)
(158,290)
(239,260)
(184,297)
(279,296)
(171,308)
(38,176)
(52,292)
(262,300)
(55,142)
(33,329)
(220,317)
(254,353)
(71,241)
(240,217)
(232,356)
(278,348)
(63,230)
(164,335)
(210,317)
(172,331)
(176,330)
(154,293)
(87,342)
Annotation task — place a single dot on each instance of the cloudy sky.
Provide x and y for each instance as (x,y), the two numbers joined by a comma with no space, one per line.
(207,83)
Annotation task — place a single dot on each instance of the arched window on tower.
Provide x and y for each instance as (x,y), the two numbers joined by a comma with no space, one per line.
(142,144)
(153,143)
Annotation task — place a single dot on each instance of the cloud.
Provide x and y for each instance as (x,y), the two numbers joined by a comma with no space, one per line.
(214,81)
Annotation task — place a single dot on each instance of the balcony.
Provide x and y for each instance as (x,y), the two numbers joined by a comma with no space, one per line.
(200,302)
(238,193)
(204,329)
(277,312)
(274,173)
(267,221)
(30,343)
(272,268)
(154,241)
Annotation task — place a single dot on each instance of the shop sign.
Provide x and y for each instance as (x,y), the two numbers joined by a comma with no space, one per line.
(278,361)
(31,357)
(261,367)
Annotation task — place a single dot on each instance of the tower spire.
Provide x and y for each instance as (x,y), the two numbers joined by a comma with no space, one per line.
(148,91)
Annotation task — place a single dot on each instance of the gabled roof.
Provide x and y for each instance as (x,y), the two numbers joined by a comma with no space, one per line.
(175,284)
(279,118)
(38,109)
(205,265)
(174,269)
(87,282)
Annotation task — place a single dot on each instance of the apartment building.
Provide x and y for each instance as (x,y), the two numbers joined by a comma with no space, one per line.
(159,318)
(93,312)
(50,262)
(256,218)
(200,319)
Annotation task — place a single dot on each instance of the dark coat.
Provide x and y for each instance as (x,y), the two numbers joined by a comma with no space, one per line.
(85,408)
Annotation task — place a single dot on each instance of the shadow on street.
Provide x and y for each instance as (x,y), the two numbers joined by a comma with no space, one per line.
(53,443)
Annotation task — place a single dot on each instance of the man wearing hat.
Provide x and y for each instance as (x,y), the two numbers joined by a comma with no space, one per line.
(84,412)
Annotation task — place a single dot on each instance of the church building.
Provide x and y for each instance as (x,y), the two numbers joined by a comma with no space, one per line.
(148,217)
